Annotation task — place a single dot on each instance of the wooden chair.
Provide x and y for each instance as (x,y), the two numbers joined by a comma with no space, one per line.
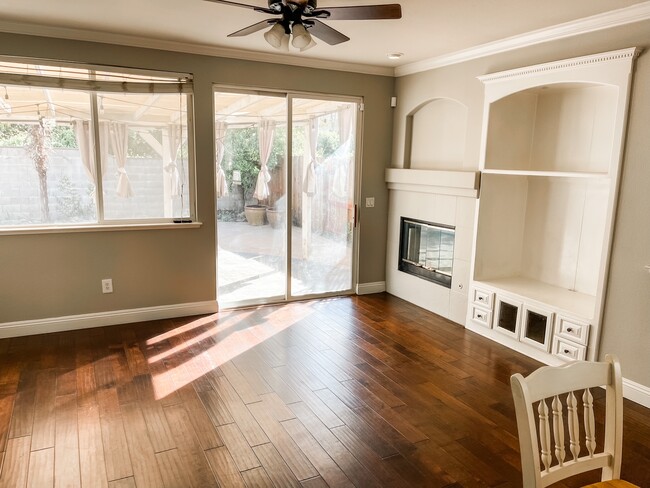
(549,386)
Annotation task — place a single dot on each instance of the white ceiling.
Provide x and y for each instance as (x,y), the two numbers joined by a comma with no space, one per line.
(428,28)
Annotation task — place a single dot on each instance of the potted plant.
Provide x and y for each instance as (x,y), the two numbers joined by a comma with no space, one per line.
(276,214)
(243,152)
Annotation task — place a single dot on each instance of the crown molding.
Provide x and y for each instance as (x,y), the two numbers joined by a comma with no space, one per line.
(606,20)
(188,48)
(615,18)
(630,53)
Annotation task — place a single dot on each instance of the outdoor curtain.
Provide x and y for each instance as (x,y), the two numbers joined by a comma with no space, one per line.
(83,134)
(340,185)
(119,134)
(174,141)
(265,136)
(309,183)
(220,136)
(345,124)
(82,130)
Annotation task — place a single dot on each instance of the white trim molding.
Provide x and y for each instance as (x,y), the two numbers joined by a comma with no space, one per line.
(370,288)
(636,392)
(187,47)
(630,53)
(607,20)
(103,319)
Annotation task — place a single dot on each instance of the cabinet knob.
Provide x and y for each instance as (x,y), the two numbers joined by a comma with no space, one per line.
(480,299)
(566,351)
(479,315)
(569,329)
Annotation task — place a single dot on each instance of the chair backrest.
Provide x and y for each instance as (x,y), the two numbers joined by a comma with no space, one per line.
(566,390)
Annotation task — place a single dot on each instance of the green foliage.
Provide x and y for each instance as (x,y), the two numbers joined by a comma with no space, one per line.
(71,207)
(18,135)
(63,137)
(328,142)
(249,171)
(243,154)
(14,135)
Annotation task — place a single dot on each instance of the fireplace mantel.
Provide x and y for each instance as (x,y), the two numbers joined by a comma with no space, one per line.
(458,183)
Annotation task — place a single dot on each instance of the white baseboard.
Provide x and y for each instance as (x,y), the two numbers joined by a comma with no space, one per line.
(636,392)
(102,319)
(370,288)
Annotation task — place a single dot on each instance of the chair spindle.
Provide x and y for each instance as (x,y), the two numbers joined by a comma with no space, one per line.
(590,422)
(574,425)
(558,429)
(544,434)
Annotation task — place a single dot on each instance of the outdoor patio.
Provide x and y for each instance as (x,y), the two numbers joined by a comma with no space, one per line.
(252,263)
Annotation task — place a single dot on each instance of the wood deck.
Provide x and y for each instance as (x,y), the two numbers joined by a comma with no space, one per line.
(358,391)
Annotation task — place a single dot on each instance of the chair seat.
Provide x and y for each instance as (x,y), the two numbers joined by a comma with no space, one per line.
(612,484)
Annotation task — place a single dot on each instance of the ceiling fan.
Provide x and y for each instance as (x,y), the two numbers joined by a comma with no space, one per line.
(301,19)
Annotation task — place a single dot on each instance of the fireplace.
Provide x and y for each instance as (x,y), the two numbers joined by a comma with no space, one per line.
(426,250)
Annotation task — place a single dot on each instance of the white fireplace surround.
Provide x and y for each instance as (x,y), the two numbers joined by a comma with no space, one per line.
(445,197)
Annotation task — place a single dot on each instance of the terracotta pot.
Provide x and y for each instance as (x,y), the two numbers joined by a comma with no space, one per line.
(275,217)
(255,214)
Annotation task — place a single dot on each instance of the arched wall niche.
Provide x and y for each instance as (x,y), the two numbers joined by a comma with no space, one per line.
(436,132)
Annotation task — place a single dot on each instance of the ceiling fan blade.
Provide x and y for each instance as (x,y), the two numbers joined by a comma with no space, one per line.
(253,28)
(326,33)
(365,12)
(244,5)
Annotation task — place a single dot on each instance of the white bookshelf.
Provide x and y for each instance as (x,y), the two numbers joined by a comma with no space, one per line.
(551,152)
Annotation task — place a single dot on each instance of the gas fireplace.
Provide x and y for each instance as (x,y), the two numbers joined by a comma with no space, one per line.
(426,250)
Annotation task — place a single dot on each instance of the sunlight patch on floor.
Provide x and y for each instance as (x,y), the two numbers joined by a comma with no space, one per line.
(224,349)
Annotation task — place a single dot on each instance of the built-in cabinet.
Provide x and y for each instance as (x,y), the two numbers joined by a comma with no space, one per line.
(551,154)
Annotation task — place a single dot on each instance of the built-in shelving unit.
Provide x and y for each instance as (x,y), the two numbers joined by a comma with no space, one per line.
(551,153)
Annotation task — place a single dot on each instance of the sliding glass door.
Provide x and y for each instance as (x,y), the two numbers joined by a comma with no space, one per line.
(323,138)
(285,185)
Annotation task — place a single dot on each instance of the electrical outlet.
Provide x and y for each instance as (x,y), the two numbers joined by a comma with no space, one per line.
(107,286)
(370,202)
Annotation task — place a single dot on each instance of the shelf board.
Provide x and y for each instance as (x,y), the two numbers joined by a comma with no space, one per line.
(459,183)
(556,174)
(571,302)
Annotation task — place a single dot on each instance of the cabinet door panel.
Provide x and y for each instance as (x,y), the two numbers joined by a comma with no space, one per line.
(507,316)
(537,327)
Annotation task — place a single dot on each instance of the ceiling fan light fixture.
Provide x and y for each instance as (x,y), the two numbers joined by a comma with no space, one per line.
(275,35)
(284,45)
(308,46)
(301,38)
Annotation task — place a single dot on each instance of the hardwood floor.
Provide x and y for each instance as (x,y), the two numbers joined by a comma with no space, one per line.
(358,391)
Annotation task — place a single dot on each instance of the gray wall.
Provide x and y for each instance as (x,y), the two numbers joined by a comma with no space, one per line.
(626,328)
(52,275)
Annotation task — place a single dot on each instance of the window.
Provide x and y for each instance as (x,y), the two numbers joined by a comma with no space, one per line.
(88,146)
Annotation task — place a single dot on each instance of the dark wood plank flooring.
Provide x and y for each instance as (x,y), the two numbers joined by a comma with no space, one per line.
(356,391)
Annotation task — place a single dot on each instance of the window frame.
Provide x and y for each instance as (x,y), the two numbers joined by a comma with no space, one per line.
(183,83)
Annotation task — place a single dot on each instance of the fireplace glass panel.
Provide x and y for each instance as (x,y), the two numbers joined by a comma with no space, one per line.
(427,250)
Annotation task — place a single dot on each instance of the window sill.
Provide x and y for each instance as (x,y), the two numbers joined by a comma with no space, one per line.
(70,229)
